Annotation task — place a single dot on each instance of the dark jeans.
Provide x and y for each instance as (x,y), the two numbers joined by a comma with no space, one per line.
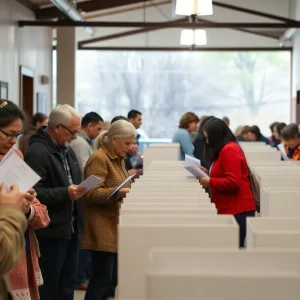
(104,278)
(84,266)
(58,263)
(241,220)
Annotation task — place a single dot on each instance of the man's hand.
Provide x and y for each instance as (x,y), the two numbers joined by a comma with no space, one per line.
(15,197)
(76,192)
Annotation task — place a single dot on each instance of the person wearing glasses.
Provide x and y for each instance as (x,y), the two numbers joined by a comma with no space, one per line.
(50,155)
(25,277)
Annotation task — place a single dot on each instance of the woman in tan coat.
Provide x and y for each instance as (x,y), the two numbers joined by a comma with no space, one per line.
(101,216)
(13,224)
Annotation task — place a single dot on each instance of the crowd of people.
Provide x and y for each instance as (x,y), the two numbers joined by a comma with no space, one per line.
(58,237)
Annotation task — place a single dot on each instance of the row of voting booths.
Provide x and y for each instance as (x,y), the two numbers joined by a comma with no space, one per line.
(173,245)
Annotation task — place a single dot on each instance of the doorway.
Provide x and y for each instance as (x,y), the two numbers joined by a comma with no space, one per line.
(27,91)
(26,96)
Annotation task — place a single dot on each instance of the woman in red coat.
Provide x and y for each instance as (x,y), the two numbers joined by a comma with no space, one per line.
(228,177)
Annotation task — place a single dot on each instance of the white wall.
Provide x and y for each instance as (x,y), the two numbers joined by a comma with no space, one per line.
(31,47)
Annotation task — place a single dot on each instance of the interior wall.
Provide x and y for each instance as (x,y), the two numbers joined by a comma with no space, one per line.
(29,46)
(296,65)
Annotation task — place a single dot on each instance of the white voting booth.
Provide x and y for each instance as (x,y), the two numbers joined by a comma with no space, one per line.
(165,152)
(273,233)
(165,231)
(191,274)
(173,245)
(280,202)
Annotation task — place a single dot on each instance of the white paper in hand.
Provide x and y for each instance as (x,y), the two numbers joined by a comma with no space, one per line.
(91,182)
(15,171)
(192,165)
(189,160)
(283,153)
(120,186)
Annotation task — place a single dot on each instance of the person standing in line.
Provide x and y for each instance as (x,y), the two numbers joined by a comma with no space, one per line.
(25,277)
(228,178)
(187,124)
(38,120)
(91,125)
(101,215)
(49,155)
(135,118)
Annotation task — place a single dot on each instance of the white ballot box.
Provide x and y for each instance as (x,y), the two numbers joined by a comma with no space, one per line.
(273,233)
(192,274)
(136,240)
(147,205)
(167,152)
(280,202)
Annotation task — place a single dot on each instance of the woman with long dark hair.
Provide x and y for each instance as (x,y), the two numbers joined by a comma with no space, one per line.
(199,144)
(228,176)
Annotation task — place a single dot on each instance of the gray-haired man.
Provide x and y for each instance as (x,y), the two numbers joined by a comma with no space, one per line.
(50,156)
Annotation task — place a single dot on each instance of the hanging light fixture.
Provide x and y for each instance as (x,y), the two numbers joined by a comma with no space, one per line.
(190,37)
(194,7)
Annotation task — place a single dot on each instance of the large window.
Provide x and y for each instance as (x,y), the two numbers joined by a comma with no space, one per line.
(248,87)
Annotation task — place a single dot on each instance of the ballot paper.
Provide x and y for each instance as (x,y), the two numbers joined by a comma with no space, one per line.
(192,165)
(91,182)
(120,186)
(283,153)
(13,170)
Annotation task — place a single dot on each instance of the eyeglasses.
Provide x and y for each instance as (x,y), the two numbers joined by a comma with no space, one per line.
(17,136)
(71,132)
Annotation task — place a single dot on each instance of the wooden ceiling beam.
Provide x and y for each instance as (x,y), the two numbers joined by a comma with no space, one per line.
(86,6)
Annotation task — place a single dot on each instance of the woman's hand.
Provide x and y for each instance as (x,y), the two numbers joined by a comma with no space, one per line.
(204,170)
(204,181)
(122,192)
(29,197)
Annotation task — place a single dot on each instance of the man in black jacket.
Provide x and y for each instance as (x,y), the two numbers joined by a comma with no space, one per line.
(50,156)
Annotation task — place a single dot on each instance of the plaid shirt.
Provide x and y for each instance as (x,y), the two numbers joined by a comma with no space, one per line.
(63,155)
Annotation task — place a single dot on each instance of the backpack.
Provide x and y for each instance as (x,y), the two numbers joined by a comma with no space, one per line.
(255,188)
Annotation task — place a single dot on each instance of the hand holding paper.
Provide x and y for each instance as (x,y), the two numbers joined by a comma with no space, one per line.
(120,186)
(283,153)
(193,166)
(90,182)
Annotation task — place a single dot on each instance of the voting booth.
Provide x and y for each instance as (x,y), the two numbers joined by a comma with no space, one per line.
(166,231)
(176,274)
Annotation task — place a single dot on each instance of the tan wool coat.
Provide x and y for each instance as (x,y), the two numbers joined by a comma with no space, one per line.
(101,216)
(12,226)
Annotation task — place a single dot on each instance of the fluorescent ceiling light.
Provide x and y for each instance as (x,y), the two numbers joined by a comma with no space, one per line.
(194,7)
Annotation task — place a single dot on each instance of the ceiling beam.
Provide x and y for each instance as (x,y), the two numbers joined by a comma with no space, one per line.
(186,49)
(28,4)
(253,12)
(126,9)
(127,33)
(86,6)
(144,30)
(67,23)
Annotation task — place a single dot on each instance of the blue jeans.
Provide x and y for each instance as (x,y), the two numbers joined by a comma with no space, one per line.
(84,266)
(58,263)
(104,278)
